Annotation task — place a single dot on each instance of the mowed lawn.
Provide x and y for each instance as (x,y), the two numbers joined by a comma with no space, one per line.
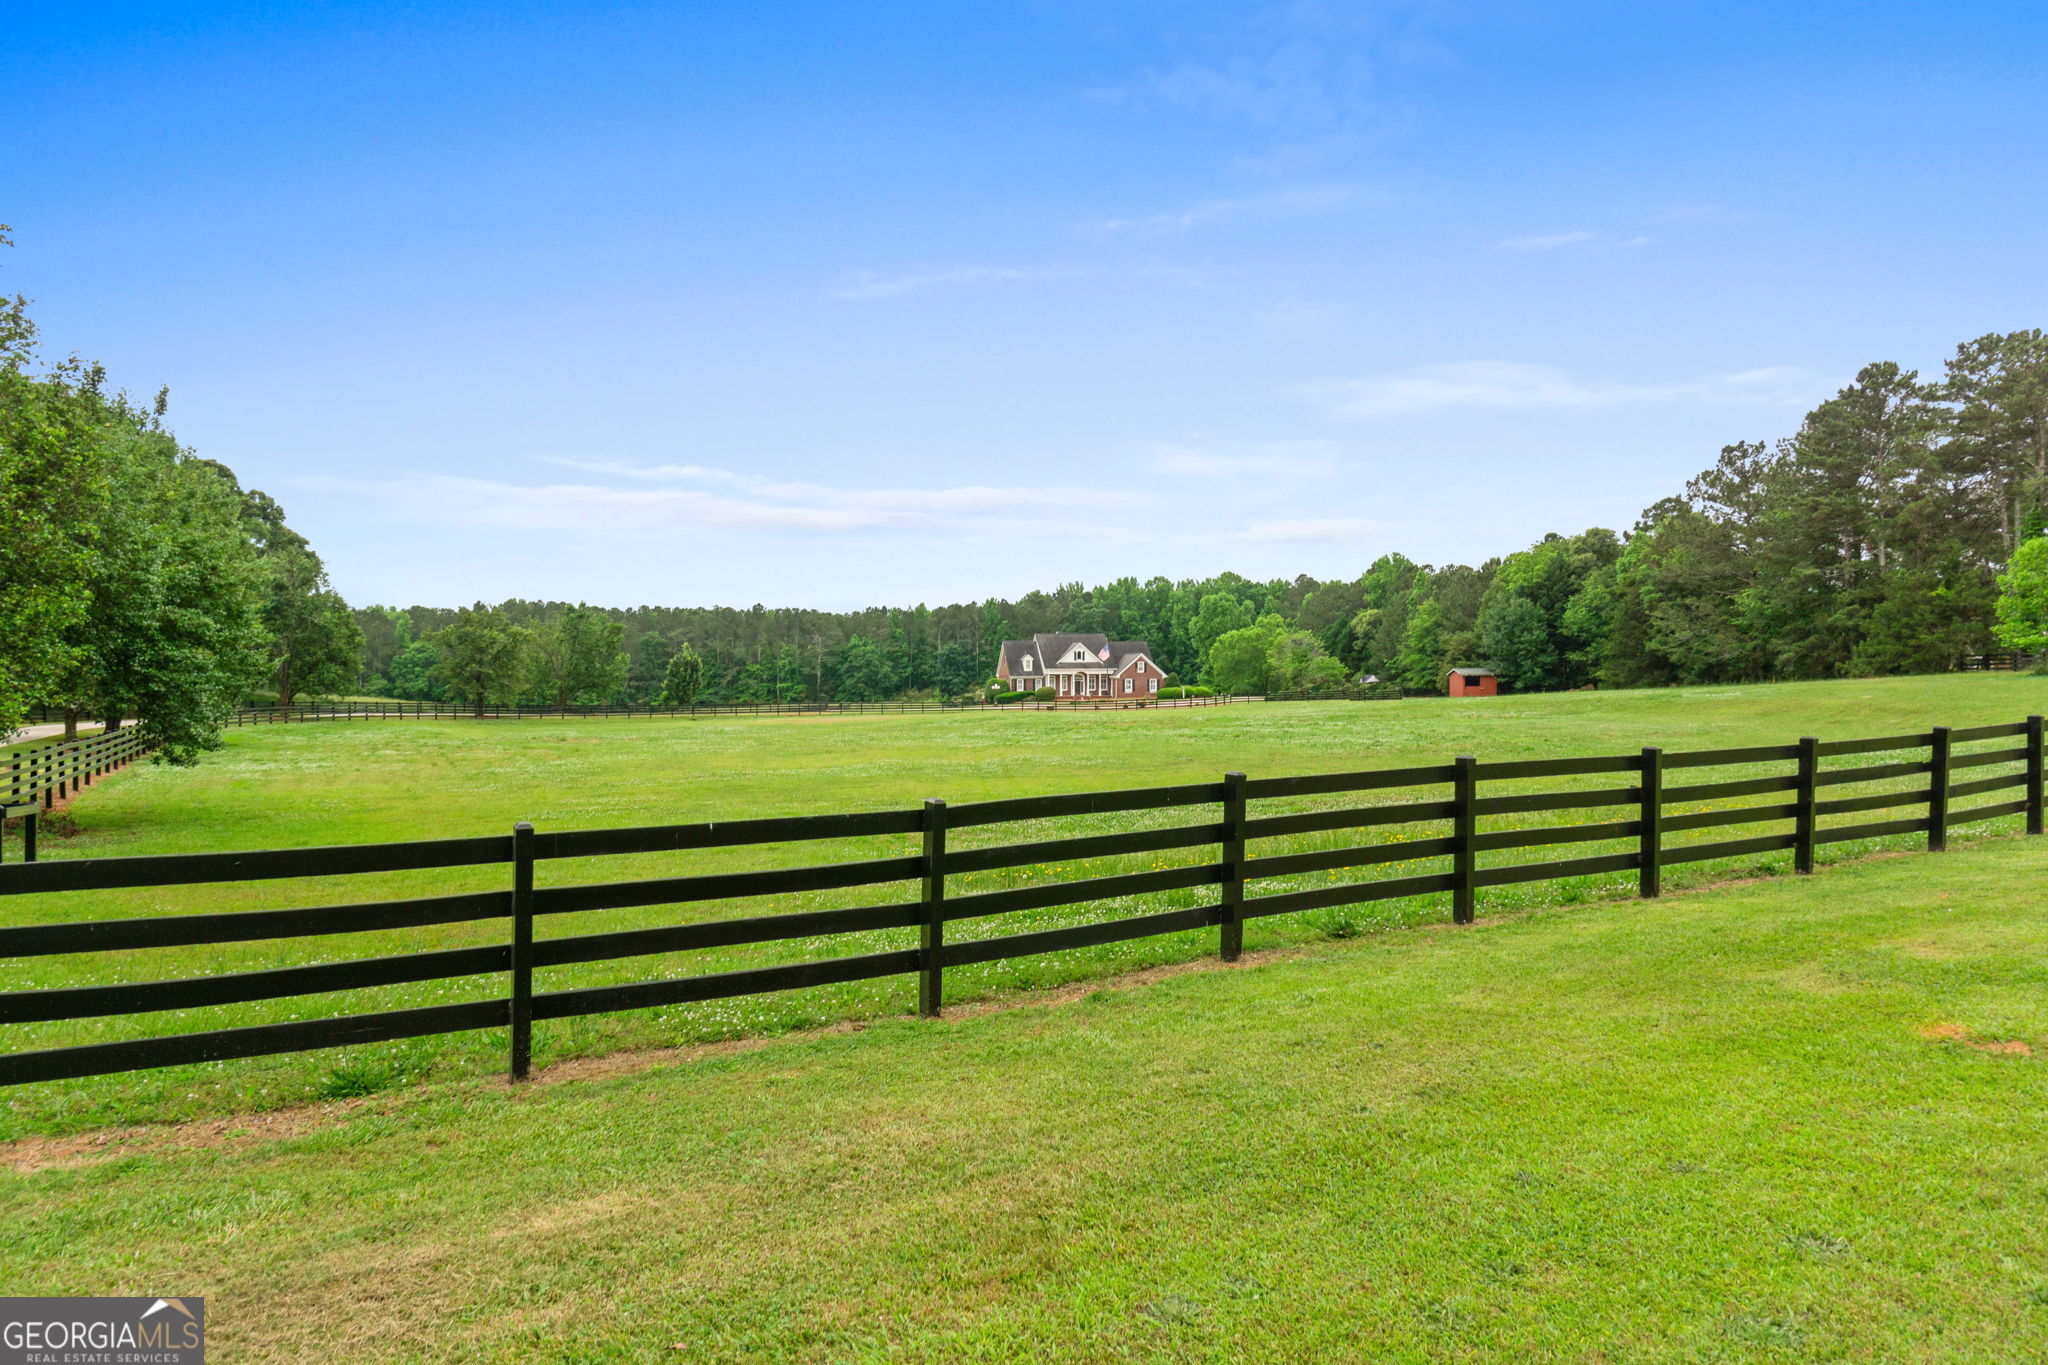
(1798,1119)
(343,782)
(332,783)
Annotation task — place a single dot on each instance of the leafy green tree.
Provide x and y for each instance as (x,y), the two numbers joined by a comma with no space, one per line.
(1421,664)
(1516,643)
(1219,615)
(650,663)
(1924,622)
(483,657)
(173,630)
(789,674)
(683,680)
(960,669)
(53,501)
(385,631)
(576,657)
(1300,665)
(316,642)
(1241,661)
(2023,597)
(1381,621)
(415,673)
(864,671)
(994,627)
(1998,385)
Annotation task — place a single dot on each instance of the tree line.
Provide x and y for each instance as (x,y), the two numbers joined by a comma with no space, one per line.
(136,578)
(1890,533)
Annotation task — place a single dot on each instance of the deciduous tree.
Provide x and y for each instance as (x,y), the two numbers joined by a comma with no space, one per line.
(483,657)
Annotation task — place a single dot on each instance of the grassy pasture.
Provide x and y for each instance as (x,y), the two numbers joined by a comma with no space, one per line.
(1787,1120)
(325,783)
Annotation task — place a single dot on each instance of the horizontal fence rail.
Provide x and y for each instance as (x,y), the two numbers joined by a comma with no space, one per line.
(1429,816)
(38,777)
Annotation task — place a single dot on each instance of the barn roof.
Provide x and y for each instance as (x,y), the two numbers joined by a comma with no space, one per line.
(1471,672)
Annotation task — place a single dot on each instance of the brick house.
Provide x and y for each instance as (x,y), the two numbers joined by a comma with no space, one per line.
(1080,666)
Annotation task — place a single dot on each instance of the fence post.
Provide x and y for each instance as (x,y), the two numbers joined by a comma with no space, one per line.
(1650,880)
(1937,791)
(28,837)
(1805,821)
(932,937)
(1464,858)
(2034,774)
(1230,915)
(522,950)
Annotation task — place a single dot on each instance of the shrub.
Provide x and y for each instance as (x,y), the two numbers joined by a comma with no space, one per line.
(1170,693)
(1005,698)
(1047,694)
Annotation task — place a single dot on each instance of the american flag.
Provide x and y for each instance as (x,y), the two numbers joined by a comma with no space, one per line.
(1104,655)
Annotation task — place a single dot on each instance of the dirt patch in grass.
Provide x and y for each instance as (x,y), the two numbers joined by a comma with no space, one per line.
(26,1156)
(1962,1033)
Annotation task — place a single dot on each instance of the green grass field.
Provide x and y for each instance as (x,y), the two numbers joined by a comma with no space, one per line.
(282,786)
(1788,1120)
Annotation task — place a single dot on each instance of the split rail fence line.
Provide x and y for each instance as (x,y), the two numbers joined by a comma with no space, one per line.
(36,779)
(1454,798)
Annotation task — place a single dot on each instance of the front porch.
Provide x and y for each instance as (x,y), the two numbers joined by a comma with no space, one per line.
(1081,686)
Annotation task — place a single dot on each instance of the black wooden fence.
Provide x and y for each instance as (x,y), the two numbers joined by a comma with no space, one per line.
(1452,795)
(35,779)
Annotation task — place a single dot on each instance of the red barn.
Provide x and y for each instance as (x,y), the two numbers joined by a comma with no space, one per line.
(1473,682)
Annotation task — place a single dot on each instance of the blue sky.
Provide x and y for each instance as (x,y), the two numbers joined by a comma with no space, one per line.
(827,305)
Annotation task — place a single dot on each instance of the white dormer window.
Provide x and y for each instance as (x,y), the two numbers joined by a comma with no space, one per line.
(1141,665)
(1027,663)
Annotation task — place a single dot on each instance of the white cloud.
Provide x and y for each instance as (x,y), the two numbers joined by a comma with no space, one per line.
(1264,459)
(1509,386)
(1555,240)
(724,500)
(967,498)
(1576,237)
(867,285)
(1293,201)
(1309,529)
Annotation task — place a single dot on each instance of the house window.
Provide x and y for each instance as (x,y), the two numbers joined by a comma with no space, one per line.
(1141,665)
(1127,685)
(1155,684)
(1027,663)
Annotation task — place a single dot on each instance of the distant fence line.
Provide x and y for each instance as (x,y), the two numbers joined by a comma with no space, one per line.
(1978,663)
(1454,798)
(448,710)
(35,779)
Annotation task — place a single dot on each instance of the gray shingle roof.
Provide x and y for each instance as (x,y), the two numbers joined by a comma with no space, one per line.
(1050,649)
